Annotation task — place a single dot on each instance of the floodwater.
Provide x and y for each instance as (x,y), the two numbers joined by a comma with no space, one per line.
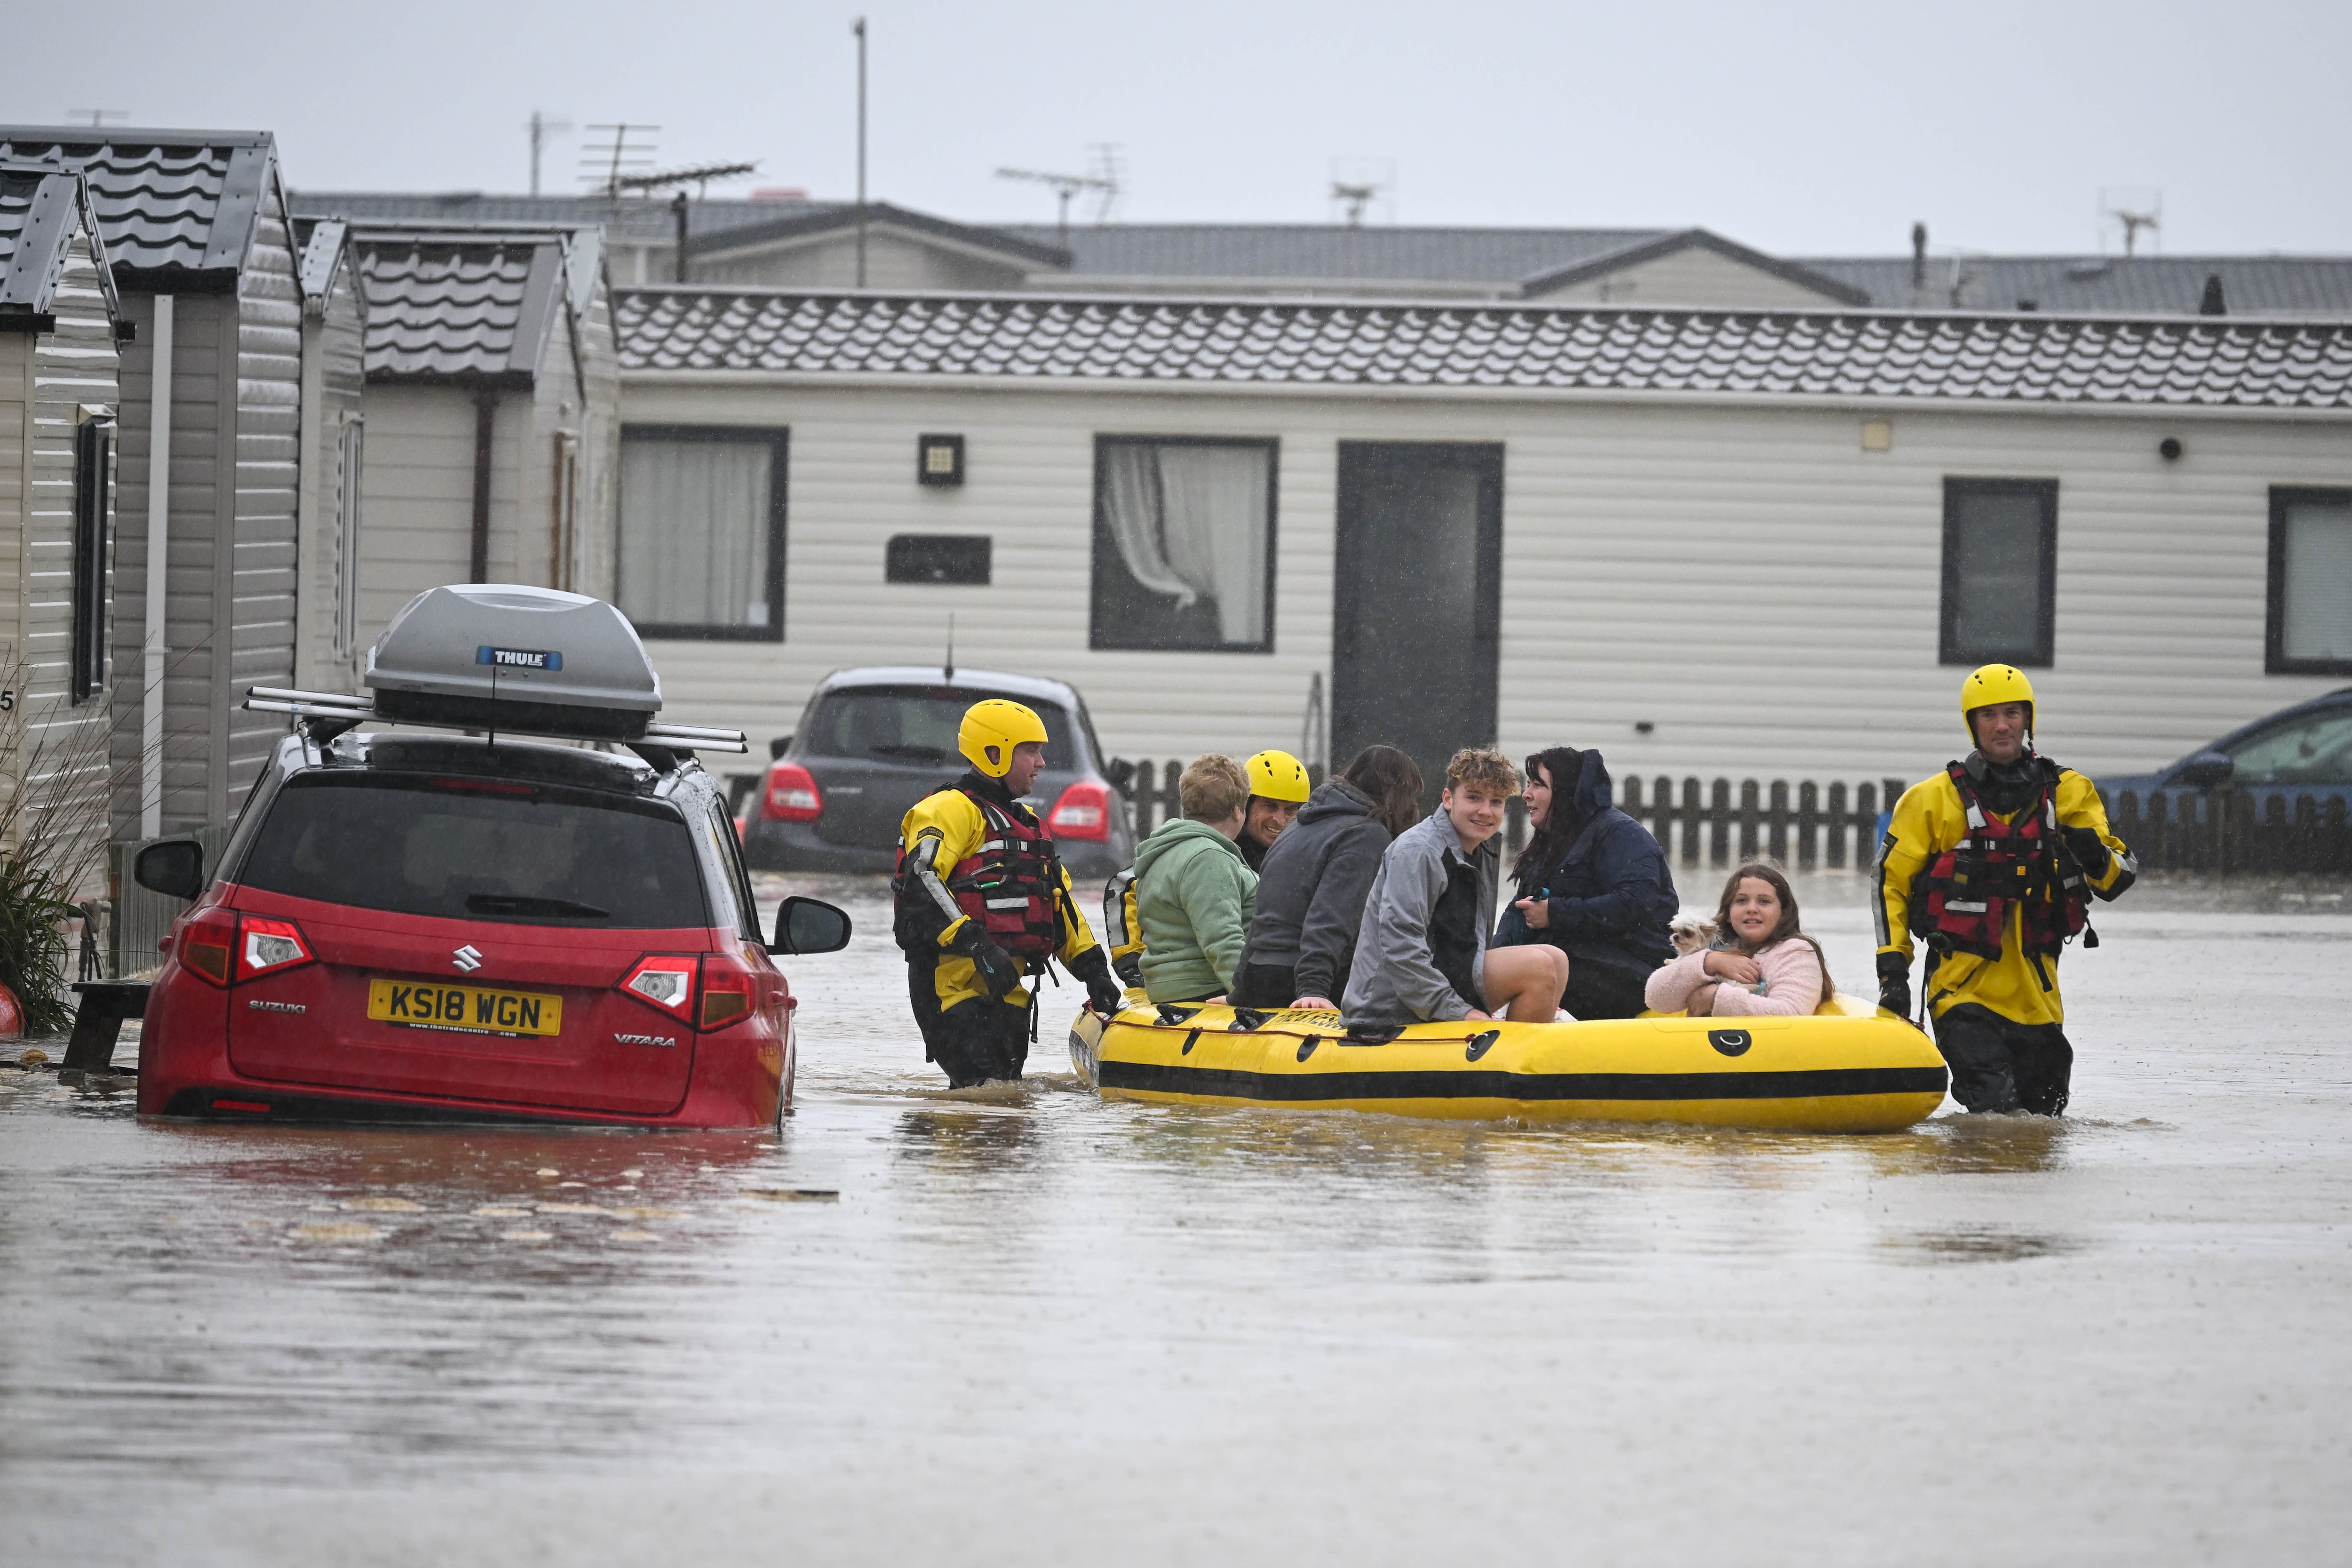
(1021,1325)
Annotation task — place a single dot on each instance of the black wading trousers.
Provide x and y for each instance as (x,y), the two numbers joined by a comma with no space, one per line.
(973,1041)
(1998,1065)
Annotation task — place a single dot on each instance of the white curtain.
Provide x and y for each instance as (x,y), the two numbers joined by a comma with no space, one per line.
(1191,521)
(694,532)
(2318,581)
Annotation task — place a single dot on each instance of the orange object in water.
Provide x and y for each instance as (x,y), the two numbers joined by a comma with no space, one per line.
(12,1016)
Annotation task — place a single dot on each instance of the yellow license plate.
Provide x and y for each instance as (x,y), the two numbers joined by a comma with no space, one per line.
(474,1009)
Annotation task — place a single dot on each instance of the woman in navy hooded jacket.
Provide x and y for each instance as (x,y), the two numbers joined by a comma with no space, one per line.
(1594,883)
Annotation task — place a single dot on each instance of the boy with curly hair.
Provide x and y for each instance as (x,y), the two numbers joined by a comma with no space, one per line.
(1422,954)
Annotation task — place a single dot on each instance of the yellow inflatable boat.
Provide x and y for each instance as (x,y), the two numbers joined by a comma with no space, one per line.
(1848,1068)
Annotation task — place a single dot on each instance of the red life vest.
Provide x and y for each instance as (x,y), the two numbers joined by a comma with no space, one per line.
(1961,903)
(1009,884)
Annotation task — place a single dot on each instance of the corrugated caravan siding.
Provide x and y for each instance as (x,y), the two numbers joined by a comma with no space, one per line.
(340,383)
(203,432)
(600,452)
(63,752)
(1030,486)
(1745,580)
(257,600)
(417,490)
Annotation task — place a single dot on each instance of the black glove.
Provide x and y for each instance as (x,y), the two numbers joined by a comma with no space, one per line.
(1895,983)
(1104,994)
(996,969)
(1128,967)
(2090,851)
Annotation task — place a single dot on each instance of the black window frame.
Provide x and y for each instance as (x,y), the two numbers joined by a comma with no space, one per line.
(1957,488)
(2275,658)
(92,508)
(778,440)
(1102,547)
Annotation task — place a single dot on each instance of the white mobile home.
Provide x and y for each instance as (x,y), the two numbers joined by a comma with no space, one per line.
(1762,543)
(195,229)
(335,448)
(59,386)
(491,411)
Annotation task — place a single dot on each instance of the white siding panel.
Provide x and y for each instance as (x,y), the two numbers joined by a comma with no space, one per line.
(416,497)
(1746,580)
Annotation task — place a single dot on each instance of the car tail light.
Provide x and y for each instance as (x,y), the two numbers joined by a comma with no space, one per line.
(207,945)
(1082,812)
(793,795)
(728,989)
(663,982)
(269,947)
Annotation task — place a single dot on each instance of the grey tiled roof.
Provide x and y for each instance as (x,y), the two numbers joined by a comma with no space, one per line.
(2187,363)
(2272,285)
(1498,256)
(177,208)
(42,207)
(457,307)
(630,217)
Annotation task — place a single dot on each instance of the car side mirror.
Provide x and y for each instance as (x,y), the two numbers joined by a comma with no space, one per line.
(810,925)
(174,868)
(778,746)
(2207,770)
(1122,774)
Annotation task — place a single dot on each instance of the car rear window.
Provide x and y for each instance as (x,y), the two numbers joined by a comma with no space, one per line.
(917,724)
(479,849)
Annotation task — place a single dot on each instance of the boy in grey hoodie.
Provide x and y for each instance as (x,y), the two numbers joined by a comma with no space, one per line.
(1422,954)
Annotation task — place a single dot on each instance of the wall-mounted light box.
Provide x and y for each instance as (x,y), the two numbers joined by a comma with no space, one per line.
(938,459)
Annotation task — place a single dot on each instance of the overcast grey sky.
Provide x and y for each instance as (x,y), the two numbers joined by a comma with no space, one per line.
(1806,127)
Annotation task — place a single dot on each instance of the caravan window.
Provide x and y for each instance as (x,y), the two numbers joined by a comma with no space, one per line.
(2311,582)
(2000,572)
(1183,546)
(702,532)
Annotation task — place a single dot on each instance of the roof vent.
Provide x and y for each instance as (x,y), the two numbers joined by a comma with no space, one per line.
(506,656)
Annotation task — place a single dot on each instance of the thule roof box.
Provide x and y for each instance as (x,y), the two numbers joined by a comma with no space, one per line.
(507,658)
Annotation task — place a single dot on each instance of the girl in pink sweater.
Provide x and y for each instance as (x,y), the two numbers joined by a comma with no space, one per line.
(1770,967)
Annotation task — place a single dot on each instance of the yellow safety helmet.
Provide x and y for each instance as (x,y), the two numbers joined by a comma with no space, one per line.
(1995,683)
(992,729)
(1278,775)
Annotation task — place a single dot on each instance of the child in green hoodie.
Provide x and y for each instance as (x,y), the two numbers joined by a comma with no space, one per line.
(1194,893)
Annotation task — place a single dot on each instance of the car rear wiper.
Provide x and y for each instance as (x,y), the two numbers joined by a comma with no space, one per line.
(523,904)
(917,754)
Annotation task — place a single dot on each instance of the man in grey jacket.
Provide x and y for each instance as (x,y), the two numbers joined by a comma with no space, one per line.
(1422,953)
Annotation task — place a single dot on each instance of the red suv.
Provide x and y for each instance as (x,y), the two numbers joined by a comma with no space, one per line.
(442,928)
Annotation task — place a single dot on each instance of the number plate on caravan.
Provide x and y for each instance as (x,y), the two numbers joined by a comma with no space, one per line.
(472,1008)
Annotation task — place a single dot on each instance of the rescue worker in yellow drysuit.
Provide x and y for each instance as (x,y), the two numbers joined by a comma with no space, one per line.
(1988,864)
(982,904)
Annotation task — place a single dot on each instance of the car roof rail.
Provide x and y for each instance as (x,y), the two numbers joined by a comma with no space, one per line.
(327,714)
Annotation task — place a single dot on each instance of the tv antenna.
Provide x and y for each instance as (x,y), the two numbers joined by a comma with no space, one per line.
(2131,208)
(627,148)
(1064,187)
(1356,184)
(542,128)
(699,175)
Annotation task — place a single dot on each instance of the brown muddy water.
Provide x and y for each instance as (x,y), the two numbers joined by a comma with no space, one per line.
(1024,1325)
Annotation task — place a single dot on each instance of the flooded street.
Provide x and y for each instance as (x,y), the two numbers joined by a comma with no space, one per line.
(1017,1325)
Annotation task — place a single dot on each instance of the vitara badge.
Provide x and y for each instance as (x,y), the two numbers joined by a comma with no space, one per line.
(518,658)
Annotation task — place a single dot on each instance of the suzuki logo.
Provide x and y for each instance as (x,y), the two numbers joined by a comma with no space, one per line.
(468,958)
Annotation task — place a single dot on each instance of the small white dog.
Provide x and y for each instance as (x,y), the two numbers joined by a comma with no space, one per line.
(1693,934)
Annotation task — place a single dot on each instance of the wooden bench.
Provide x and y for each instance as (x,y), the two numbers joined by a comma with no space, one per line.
(97,1022)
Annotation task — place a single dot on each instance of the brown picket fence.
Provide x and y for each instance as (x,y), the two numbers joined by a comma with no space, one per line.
(1833,827)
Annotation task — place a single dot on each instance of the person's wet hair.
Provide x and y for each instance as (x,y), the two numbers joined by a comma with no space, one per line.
(1483,769)
(1392,782)
(1564,766)
(1791,924)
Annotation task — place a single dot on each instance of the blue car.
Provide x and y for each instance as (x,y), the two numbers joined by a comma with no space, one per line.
(2298,751)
